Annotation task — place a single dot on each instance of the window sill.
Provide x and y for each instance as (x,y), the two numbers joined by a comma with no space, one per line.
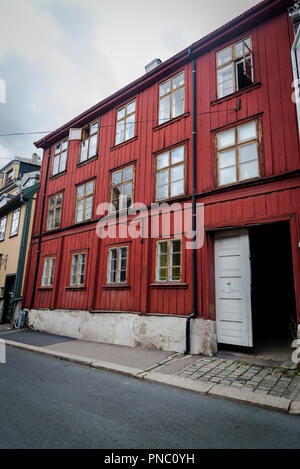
(55,176)
(178,197)
(236,94)
(169,285)
(117,286)
(119,145)
(13,235)
(171,121)
(237,184)
(70,287)
(89,160)
(45,288)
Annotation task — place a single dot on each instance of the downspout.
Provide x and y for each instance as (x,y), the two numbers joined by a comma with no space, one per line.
(194,213)
(295,65)
(22,252)
(40,231)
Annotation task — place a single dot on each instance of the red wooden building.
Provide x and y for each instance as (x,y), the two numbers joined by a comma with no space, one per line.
(217,117)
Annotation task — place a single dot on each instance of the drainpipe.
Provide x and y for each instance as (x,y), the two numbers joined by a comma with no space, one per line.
(40,230)
(295,53)
(194,224)
(22,251)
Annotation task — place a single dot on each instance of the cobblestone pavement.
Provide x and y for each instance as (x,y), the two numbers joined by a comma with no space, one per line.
(275,381)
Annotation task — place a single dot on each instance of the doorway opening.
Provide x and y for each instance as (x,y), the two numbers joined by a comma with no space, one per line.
(274,319)
(8,298)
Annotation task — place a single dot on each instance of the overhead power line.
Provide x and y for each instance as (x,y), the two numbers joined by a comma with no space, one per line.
(113,125)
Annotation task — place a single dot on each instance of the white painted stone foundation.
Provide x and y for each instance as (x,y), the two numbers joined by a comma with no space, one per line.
(159,332)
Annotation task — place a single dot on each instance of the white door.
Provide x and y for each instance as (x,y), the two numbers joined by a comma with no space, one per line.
(233,288)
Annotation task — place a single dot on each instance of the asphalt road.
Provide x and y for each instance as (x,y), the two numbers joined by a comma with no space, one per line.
(49,403)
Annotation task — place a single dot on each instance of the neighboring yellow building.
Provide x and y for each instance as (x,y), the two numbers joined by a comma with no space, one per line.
(19,183)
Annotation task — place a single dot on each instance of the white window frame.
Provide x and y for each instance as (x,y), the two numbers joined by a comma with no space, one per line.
(169,265)
(233,61)
(80,264)
(118,260)
(60,156)
(48,272)
(169,169)
(15,221)
(170,95)
(121,136)
(3,229)
(88,133)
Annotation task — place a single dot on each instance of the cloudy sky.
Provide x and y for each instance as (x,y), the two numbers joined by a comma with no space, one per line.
(59,57)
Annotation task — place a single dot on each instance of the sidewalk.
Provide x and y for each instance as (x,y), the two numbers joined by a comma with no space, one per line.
(272,387)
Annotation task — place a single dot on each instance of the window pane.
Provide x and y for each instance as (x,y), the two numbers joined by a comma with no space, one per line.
(163,260)
(131,107)
(177,173)
(93,146)
(79,211)
(55,165)
(227,175)
(163,192)
(164,109)
(224,56)
(227,158)
(177,188)
(163,177)
(248,152)
(178,102)
(115,196)
(89,188)
(50,219)
(239,49)
(165,88)
(130,124)
(120,132)
(57,149)
(226,139)
(163,161)
(175,274)
(163,274)
(121,113)
(88,208)
(57,217)
(80,191)
(163,247)
(52,202)
(63,161)
(225,81)
(176,259)
(247,132)
(59,199)
(127,195)
(94,127)
(84,149)
(117,177)
(127,173)
(249,170)
(177,155)
(178,81)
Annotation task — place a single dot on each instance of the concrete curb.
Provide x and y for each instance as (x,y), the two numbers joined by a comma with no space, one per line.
(261,400)
(201,387)
(87,361)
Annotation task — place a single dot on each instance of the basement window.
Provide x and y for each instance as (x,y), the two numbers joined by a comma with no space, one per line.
(235,67)
(48,271)
(89,143)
